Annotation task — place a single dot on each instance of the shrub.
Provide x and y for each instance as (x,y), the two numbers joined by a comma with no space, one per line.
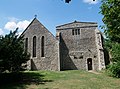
(114,69)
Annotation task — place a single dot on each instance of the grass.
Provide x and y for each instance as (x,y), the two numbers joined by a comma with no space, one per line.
(73,79)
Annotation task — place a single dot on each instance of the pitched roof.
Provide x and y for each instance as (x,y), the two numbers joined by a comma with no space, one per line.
(77,24)
(35,19)
(28,26)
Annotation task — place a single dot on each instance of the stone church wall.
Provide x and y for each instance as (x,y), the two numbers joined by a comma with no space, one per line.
(76,49)
(77,46)
(51,47)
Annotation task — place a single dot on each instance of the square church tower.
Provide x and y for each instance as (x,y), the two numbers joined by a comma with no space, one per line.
(80,46)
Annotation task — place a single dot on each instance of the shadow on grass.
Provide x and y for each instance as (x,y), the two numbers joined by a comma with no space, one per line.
(20,80)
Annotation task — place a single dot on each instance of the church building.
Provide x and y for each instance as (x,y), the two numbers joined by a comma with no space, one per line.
(76,46)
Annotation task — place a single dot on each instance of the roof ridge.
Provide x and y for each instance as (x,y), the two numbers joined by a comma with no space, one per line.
(28,25)
(76,22)
(40,23)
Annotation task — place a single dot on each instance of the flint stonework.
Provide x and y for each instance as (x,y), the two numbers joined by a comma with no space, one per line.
(77,46)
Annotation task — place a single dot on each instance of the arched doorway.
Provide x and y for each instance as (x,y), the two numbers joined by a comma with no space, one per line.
(89,63)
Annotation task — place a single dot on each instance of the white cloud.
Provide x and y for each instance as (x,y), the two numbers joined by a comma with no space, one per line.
(90,1)
(23,24)
(12,25)
(1,32)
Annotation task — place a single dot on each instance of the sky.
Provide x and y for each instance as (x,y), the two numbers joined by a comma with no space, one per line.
(51,13)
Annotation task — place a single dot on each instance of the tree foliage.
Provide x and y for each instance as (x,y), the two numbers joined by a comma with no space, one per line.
(114,69)
(110,9)
(12,54)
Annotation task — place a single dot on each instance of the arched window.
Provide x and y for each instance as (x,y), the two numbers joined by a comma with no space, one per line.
(42,46)
(26,44)
(73,32)
(78,31)
(34,46)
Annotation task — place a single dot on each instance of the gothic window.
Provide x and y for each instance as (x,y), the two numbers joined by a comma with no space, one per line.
(34,46)
(76,32)
(26,44)
(42,46)
(73,32)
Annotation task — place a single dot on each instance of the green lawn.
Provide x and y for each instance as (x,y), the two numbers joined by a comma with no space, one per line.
(73,79)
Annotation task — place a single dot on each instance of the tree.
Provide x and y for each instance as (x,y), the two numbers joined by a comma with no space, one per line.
(110,9)
(12,54)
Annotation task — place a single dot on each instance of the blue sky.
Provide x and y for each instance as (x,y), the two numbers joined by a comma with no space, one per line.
(51,13)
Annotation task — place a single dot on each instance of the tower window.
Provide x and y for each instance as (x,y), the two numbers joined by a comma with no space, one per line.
(42,46)
(73,32)
(76,32)
(34,46)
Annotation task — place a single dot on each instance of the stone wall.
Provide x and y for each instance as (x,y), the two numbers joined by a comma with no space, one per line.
(77,45)
(76,49)
(100,49)
(51,47)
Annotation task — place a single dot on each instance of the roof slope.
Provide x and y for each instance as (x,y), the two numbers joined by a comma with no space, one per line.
(77,24)
(34,21)
(28,26)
